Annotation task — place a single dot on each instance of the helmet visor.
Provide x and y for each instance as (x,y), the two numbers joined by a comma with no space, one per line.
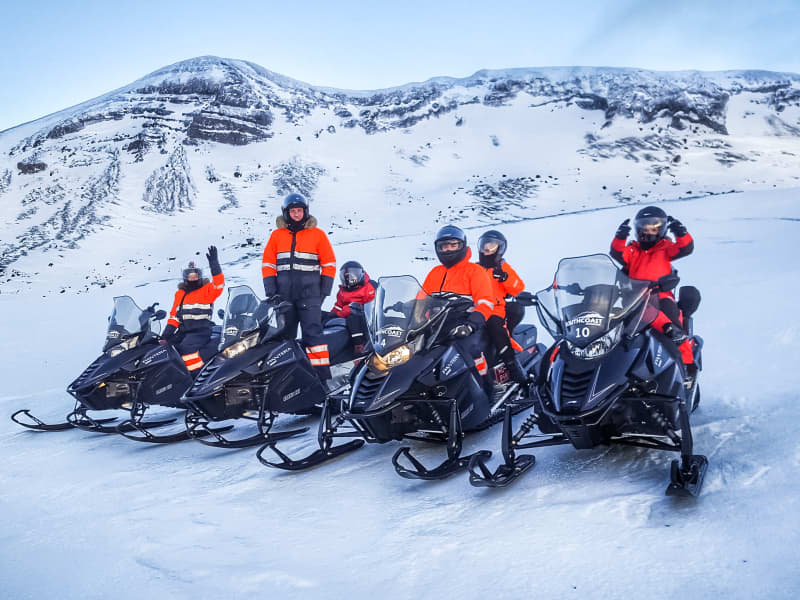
(488,245)
(649,229)
(351,276)
(449,245)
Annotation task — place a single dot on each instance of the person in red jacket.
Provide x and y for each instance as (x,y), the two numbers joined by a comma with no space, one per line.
(650,258)
(299,266)
(356,287)
(457,275)
(505,284)
(190,320)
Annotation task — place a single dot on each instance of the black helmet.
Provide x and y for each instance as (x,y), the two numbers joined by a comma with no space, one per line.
(651,226)
(351,275)
(451,233)
(491,248)
(294,201)
(195,282)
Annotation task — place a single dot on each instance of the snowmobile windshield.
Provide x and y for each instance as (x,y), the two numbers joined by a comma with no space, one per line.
(246,314)
(589,297)
(400,310)
(128,320)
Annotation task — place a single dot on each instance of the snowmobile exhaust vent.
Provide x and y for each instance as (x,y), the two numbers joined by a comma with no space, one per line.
(574,387)
(205,374)
(367,390)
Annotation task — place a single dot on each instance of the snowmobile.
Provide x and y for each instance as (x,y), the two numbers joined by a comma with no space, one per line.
(261,373)
(417,383)
(609,377)
(135,370)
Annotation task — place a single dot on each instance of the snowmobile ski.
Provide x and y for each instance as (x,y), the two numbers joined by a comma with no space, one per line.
(326,451)
(319,456)
(448,467)
(197,428)
(512,468)
(687,480)
(81,420)
(40,425)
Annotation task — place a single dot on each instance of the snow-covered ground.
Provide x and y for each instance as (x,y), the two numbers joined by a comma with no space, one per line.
(93,516)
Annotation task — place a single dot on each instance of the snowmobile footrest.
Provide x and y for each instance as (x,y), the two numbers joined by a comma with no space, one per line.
(449,467)
(687,480)
(37,424)
(317,457)
(505,474)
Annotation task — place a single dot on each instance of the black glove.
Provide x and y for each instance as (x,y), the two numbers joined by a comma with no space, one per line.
(499,274)
(325,286)
(397,307)
(624,230)
(525,298)
(273,299)
(269,286)
(677,228)
(356,308)
(675,333)
(213,260)
(169,333)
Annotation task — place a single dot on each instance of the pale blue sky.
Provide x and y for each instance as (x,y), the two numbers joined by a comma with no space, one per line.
(58,53)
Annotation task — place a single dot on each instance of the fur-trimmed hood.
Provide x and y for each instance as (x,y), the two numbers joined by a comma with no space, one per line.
(311,222)
(182,284)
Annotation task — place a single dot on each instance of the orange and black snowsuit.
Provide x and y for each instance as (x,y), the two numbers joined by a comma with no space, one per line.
(299,265)
(466,279)
(190,320)
(652,264)
(500,325)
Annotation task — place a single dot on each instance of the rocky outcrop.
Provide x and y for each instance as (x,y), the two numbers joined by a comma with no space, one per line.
(170,187)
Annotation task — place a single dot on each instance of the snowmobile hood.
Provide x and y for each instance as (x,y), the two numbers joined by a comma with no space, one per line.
(371,394)
(220,370)
(105,366)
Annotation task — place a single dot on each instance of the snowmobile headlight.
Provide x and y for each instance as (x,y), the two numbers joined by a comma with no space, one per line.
(126,345)
(239,347)
(396,357)
(599,347)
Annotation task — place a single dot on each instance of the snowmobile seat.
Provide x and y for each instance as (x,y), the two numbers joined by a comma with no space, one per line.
(337,336)
(688,300)
(525,335)
(335,322)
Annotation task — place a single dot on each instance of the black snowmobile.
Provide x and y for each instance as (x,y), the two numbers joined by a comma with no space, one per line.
(609,378)
(418,383)
(136,369)
(261,373)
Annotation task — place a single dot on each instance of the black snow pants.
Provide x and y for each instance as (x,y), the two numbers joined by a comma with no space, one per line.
(307,312)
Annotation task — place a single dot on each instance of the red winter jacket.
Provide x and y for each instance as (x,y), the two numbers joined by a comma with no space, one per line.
(654,263)
(362,295)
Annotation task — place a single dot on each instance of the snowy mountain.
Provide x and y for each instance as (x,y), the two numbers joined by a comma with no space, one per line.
(206,147)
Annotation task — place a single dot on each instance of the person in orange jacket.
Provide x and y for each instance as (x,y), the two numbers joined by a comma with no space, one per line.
(650,258)
(190,320)
(457,275)
(505,283)
(299,266)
